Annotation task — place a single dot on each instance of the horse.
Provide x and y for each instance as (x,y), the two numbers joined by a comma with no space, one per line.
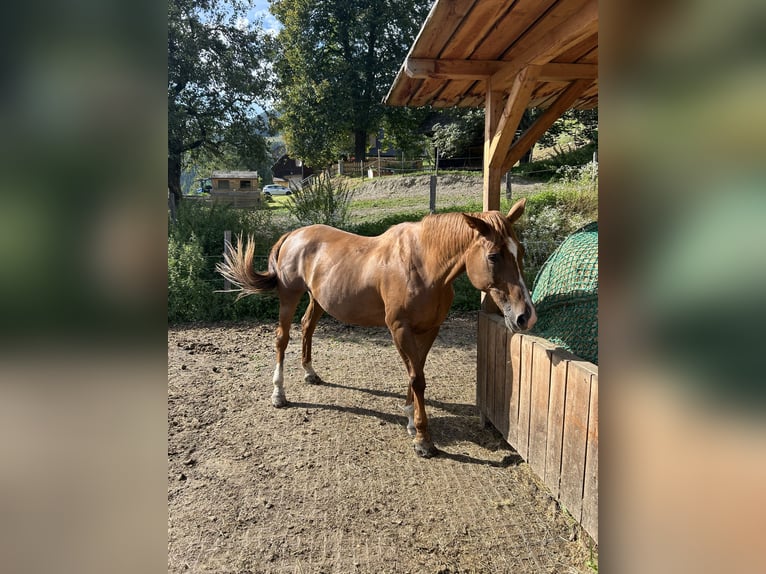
(401,279)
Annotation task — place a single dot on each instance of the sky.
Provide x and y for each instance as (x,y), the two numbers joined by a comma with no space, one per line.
(260,9)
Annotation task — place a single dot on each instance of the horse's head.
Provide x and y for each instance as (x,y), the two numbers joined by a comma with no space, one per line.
(494,265)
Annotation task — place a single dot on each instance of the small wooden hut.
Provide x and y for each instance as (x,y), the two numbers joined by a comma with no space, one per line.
(236,188)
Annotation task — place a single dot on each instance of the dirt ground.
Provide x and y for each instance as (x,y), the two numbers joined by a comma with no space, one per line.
(331,483)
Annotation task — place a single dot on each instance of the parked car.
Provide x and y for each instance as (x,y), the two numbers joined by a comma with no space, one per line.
(273,189)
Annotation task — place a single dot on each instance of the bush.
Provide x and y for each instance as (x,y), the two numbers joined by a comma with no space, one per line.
(551,216)
(186,288)
(548,169)
(322,200)
(195,245)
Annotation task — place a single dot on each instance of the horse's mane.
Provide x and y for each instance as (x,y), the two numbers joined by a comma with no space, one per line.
(449,231)
(446,236)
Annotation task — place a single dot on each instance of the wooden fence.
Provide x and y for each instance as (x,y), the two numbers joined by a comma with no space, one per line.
(544,401)
(242,199)
(376,167)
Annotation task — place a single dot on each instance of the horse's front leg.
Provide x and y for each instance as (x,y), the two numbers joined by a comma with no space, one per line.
(424,341)
(410,351)
(409,410)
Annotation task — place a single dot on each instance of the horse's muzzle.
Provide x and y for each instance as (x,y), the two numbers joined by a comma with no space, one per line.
(522,322)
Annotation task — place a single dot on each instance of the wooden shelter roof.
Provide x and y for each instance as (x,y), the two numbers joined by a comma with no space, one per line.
(464,46)
(505,55)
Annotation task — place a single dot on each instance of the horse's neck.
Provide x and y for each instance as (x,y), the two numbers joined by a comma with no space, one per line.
(446,238)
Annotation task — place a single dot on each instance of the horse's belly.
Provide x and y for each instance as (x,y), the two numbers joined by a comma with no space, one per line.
(364,320)
(354,310)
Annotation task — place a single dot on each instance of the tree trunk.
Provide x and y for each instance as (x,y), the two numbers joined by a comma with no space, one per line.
(174,176)
(360,145)
(527,157)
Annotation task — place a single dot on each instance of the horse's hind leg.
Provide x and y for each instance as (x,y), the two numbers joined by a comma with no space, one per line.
(287,306)
(308,324)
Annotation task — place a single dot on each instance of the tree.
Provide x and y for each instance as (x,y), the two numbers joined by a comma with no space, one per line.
(456,129)
(404,129)
(338,58)
(575,128)
(218,71)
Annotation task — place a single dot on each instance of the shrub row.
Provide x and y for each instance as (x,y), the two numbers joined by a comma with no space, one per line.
(195,245)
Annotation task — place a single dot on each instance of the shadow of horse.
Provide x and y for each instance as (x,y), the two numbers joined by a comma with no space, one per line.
(457,409)
(445,424)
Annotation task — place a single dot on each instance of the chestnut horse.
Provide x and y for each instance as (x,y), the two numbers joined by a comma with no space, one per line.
(401,279)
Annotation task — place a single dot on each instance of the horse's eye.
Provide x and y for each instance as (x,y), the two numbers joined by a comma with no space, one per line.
(494,257)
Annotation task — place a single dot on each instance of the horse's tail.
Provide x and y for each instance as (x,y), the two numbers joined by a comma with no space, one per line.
(237,267)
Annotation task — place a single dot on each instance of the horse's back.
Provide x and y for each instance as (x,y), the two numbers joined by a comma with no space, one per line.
(341,270)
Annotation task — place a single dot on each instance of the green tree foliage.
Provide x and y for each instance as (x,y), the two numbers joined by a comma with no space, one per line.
(574,129)
(338,59)
(456,130)
(217,72)
(243,147)
(404,129)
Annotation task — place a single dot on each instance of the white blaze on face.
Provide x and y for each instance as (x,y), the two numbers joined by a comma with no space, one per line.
(514,249)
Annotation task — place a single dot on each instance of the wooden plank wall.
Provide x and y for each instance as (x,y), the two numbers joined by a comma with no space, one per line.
(544,401)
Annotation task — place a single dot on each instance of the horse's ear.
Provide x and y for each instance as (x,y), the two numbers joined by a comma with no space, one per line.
(478,224)
(517,209)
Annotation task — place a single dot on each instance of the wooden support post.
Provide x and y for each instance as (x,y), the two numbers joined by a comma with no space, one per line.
(493,108)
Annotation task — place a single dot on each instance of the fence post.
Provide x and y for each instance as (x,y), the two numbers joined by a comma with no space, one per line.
(172,205)
(226,244)
(508,185)
(594,171)
(432,195)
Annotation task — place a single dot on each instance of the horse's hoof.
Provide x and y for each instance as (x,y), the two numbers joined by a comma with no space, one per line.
(278,401)
(313,379)
(425,450)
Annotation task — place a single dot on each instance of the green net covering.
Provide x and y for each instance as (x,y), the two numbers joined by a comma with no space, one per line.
(566,295)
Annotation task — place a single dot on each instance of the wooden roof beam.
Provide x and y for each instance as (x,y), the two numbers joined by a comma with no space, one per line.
(544,121)
(451,69)
(553,72)
(423,68)
(517,101)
